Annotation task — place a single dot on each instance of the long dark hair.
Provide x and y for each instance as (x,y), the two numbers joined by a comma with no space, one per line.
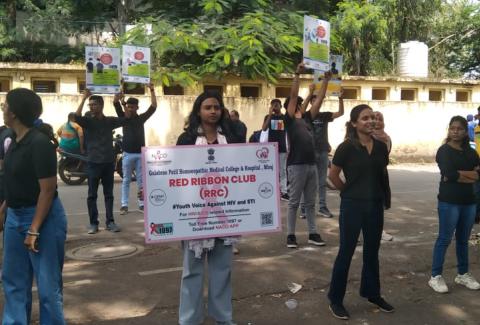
(351,131)
(466,140)
(193,120)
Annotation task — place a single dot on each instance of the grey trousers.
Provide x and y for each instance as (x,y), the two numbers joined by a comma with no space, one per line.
(219,285)
(321,161)
(302,180)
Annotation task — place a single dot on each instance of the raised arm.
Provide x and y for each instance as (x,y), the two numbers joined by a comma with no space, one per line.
(153,98)
(86,94)
(116,103)
(268,118)
(320,95)
(341,109)
(307,100)
(292,104)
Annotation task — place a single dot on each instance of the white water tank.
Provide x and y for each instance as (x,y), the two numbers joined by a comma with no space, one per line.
(413,59)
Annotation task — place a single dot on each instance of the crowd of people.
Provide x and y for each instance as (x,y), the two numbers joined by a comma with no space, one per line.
(35,225)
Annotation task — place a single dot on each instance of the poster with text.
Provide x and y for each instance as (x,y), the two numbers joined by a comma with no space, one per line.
(316,43)
(335,84)
(136,64)
(102,69)
(207,191)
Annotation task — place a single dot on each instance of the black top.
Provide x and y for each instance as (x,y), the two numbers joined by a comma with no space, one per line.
(320,129)
(99,136)
(450,161)
(300,138)
(188,138)
(27,161)
(6,135)
(276,131)
(365,174)
(239,130)
(134,132)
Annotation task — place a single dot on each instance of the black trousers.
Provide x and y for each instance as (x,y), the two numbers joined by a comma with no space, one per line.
(100,172)
(356,215)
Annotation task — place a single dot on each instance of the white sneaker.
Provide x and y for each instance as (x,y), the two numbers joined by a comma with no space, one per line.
(438,284)
(386,236)
(467,280)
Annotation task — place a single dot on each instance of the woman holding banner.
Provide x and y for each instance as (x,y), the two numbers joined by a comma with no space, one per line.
(364,194)
(206,125)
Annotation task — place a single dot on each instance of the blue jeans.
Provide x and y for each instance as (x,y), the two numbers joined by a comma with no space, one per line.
(129,162)
(458,219)
(21,265)
(356,216)
(96,173)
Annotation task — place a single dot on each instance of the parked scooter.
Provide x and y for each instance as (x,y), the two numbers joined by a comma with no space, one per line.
(72,168)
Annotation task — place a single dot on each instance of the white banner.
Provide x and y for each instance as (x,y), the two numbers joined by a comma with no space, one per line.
(136,64)
(102,69)
(207,191)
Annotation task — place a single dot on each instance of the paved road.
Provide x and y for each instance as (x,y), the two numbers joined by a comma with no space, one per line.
(143,289)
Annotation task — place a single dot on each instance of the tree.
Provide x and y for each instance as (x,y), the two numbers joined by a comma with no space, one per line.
(359,31)
(216,37)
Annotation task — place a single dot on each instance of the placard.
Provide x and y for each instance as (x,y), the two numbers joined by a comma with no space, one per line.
(316,43)
(136,64)
(102,69)
(335,84)
(206,191)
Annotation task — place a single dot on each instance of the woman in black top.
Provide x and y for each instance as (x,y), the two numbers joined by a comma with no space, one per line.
(364,195)
(35,226)
(459,165)
(207,125)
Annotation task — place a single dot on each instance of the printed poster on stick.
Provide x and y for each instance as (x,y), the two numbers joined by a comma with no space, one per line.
(204,191)
(336,68)
(102,69)
(316,43)
(136,64)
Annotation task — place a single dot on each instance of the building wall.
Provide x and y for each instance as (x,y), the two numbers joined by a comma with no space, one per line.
(416,129)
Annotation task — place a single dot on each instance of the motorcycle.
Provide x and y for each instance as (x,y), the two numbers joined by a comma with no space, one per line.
(72,168)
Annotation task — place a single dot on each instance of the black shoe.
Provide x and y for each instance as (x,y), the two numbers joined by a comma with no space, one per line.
(315,239)
(284,197)
(292,241)
(338,311)
(381,304)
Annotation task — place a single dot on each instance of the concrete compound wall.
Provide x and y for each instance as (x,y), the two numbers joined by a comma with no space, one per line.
(416,128)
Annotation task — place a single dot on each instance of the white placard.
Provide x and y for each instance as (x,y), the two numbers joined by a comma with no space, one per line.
(316,43)
(209,191)
(136,64)
(102,69)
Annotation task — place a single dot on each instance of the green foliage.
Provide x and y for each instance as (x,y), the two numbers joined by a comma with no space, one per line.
(250,38)
(359,32)
(255,44)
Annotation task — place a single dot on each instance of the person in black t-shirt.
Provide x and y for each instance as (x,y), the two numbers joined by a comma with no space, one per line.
(364,194)
(274,122)
(459,169)
(101,166)
(35,225)
(239,128)
(319,125)
(133,141)
(301,170)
